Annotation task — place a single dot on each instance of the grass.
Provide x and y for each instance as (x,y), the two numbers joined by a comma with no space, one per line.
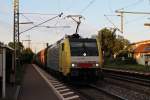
(127,64)
(132,67)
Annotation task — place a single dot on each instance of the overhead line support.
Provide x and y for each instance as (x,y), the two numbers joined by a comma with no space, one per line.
(122,17)
(16,38)
(117,11)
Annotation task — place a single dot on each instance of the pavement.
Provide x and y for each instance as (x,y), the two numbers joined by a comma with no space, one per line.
(10,92)
(34,87)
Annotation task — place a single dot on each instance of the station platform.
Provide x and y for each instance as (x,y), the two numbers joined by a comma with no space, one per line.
(34,87)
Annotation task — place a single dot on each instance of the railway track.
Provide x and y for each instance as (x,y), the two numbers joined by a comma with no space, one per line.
(140,75)
(127,78)
(93,92)
(104,91)
(117,97)
(136,86)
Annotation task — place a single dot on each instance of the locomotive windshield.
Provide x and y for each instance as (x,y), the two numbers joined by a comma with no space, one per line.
(83,48)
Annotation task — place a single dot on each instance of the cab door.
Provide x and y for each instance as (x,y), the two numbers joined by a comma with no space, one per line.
(61,57)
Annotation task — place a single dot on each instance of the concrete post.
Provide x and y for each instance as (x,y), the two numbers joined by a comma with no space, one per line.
(4,74)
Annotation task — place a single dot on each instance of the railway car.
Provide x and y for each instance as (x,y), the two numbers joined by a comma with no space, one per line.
(73,57)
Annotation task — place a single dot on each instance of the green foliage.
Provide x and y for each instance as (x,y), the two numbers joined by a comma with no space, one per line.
(110,43)
(27,55)
(18,45)
(132,67)
(120,44)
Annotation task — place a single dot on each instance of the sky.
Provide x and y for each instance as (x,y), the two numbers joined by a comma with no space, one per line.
(93,20)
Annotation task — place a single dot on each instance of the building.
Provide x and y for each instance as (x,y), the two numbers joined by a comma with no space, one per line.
(141,52)
(7,69)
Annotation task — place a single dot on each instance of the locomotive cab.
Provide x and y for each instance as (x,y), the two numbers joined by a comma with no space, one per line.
(80,58)
(84,58)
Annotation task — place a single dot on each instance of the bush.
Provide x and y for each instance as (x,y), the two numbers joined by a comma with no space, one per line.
(120,61)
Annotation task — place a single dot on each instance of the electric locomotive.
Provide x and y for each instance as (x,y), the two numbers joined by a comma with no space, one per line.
(73,57)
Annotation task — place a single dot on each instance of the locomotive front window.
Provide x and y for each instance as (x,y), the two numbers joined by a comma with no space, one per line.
(90,44)
(81,48)
(76,44)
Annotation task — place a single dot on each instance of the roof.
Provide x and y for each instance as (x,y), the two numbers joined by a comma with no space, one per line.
(141,42)
(5,46)
(143,48)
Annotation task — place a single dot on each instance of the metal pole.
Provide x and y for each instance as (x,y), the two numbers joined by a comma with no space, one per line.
(122,22)
(16,32)
(4,75)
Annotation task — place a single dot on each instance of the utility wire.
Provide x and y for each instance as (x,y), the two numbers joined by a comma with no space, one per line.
(37,14)
(71,5)
(131,5)
(109,6)
(113,23)
(26,17)
(58,4)
(41,23)
(86,7)
(134,20)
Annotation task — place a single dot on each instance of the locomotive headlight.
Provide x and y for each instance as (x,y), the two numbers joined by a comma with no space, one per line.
(73,65)
(96,65)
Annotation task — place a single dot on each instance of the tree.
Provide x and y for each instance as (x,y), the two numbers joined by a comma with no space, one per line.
(27,55)
(107,39)
(121,44)
(19,45)
(110,43)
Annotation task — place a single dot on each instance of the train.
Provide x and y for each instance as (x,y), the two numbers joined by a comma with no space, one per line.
(73,57)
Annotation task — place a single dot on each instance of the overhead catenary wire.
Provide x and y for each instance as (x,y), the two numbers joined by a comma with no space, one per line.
(112,23)
(55,26)
(26,18)
(109,6)
(58,4)
(38,14)
(132,4)
(87,6)
(71,5)
(41,23)
(135,20)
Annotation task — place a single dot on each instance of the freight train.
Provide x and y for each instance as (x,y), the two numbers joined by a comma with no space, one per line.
(73,57)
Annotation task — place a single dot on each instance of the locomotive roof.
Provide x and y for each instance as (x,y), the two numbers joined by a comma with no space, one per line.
(82,40)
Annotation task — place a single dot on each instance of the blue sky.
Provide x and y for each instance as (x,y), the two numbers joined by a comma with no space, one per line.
(134,29)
